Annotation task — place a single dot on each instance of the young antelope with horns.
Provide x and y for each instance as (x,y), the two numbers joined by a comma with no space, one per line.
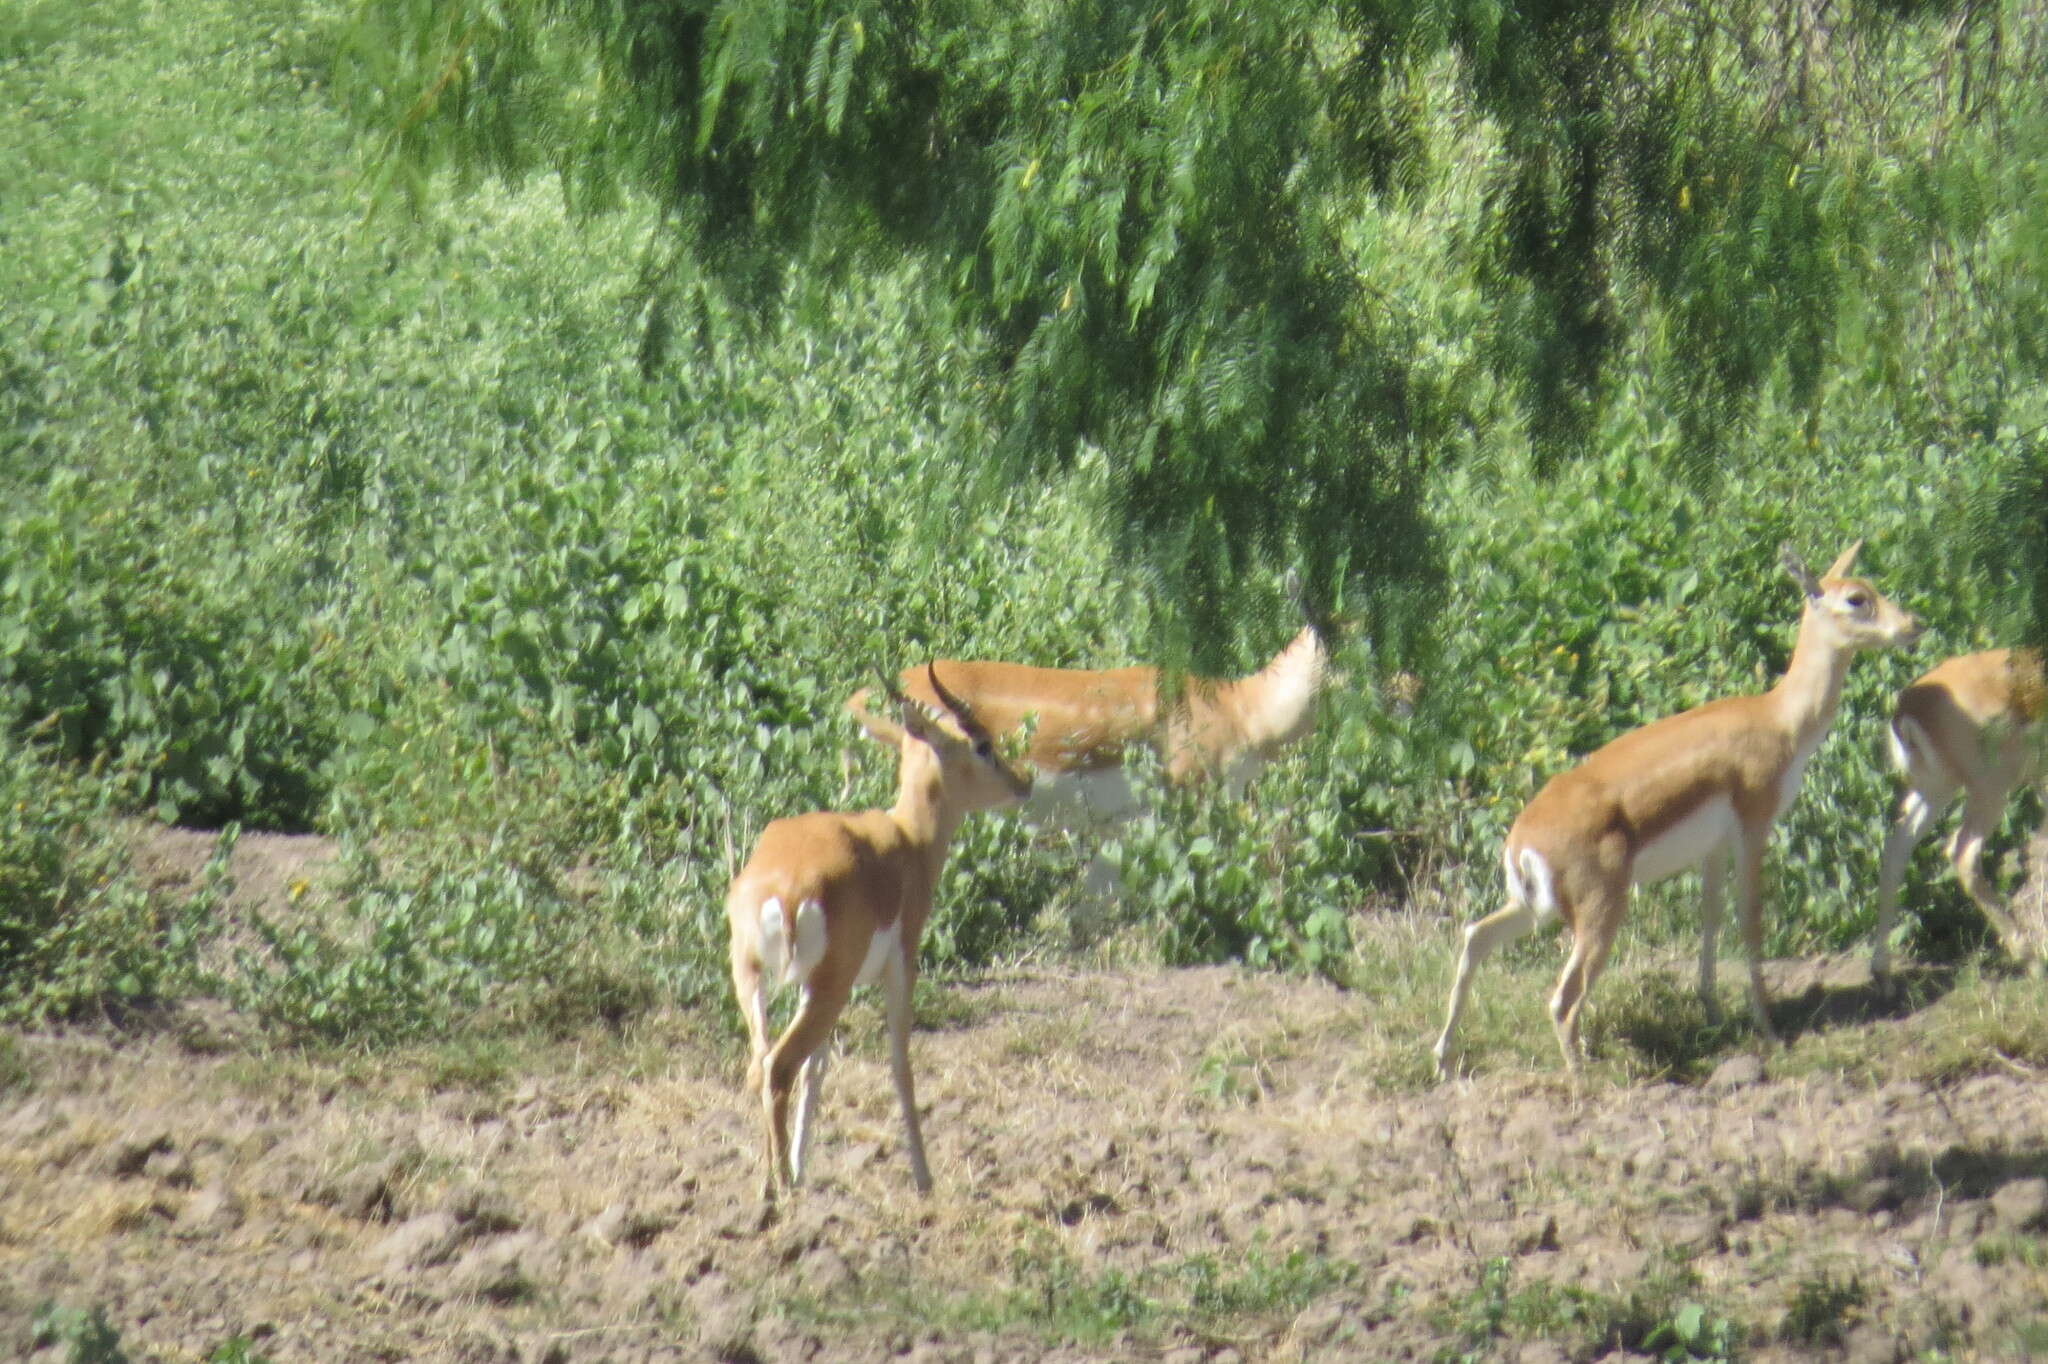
(830,901)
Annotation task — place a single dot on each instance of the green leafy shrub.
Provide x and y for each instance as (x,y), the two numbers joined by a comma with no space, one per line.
(78,933)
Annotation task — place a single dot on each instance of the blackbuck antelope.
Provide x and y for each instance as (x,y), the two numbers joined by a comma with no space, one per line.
(830,901)
(1088,722)
(1684,791)
(1970,725)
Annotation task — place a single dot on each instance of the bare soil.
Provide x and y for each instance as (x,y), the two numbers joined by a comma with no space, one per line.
(1100,1142)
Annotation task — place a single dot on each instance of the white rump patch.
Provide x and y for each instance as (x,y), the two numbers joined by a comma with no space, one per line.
(1288,689)
(787,957)
(772,940)
(1531,883)
(810,941)
(1901,747)
(1687,843)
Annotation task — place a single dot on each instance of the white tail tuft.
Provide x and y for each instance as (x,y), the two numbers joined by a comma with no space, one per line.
(1287,690)
(1911,752)
(789,953)
(810,940)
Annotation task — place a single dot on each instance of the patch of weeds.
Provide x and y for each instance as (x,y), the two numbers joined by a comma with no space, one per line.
(1692,1332)
(86,1335)
(1037,1038)
(942,1006)
(1229,1075)
(2031,1340)
(2031,1251)
(1260,1285)
(1494,1309)
(15,1070)
(482,1065)
(1064,1301)
(1668,1033)
(1657,1317)
(1820,1309)
(1477,1317)
(236,1350)
(1984,1023)
(1946,1027)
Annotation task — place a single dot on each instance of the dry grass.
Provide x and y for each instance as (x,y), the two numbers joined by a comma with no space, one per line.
(1122,1161)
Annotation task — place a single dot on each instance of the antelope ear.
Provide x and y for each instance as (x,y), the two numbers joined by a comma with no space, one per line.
(880,728)
(1840,567)
(920,721)
(1796,566)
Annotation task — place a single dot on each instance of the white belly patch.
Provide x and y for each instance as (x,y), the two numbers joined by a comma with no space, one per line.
(1686,843)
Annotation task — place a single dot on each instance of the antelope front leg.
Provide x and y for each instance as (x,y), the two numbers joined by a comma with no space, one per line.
(897,984)
(1749,860)
(1713,872)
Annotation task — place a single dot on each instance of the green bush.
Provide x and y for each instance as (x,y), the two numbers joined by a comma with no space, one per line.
(78,933)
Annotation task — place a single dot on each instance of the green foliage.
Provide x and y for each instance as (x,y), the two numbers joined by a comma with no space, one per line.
(1268,885)
(1056,1299)
(1693,1332)
(237,1350)
(77,933)
(1997,1250)
(420,950)
(87,1337)
(1158,223)
(1097,192)
(1820,1309)
(1655,1317)
(15,1070)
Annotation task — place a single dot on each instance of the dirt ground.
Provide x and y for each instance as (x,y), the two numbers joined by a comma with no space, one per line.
(1098,1141)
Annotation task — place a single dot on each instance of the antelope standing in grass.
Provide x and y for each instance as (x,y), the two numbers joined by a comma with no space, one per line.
(1969,725)
(1688,790)
(829,901)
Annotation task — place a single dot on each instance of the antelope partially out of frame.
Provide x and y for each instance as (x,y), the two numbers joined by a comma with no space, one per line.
(1970,725)
(1688,790)
(1087,723)
(830,901)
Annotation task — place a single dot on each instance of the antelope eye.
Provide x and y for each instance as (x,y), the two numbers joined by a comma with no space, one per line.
(1858,601)
(984,749)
